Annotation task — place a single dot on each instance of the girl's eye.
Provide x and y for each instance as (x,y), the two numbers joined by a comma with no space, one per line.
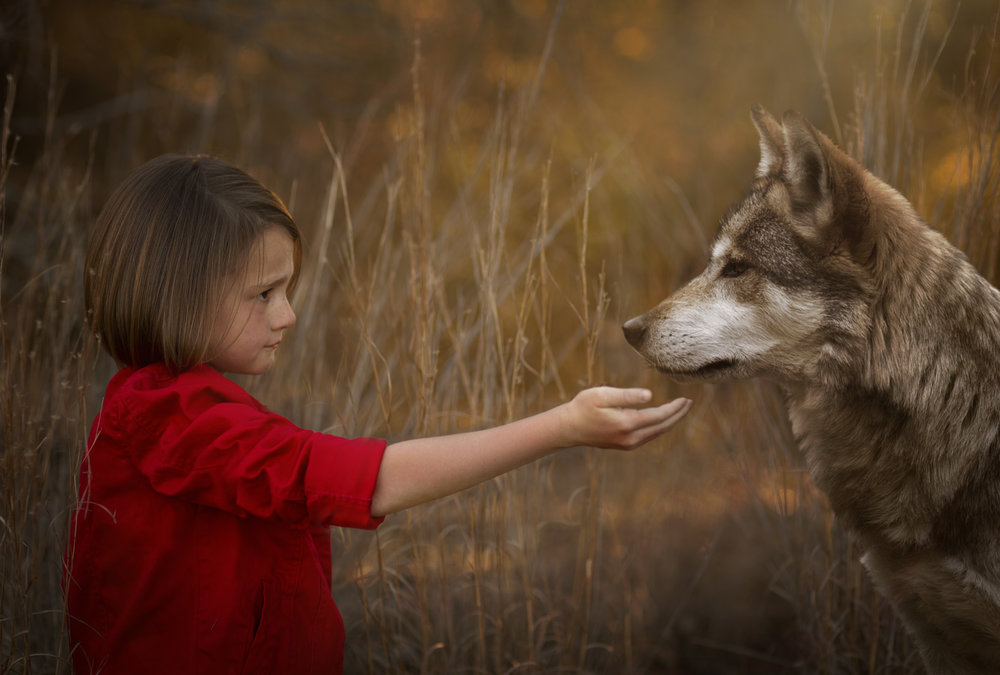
(266,295)
(733,269)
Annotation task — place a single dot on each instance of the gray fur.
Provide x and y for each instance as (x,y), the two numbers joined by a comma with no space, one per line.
(887,342)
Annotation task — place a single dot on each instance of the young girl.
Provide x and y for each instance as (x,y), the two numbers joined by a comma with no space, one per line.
(200,543)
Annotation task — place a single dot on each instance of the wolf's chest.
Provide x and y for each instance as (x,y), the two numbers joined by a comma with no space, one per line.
(868,457)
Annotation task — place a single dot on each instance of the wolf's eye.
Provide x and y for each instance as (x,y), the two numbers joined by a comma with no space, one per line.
(733,269)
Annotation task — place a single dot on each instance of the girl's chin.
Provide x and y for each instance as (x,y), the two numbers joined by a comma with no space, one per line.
(261,368)
(258,367)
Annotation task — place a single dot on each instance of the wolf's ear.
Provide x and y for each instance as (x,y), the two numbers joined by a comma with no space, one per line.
(807,169)
(772,141)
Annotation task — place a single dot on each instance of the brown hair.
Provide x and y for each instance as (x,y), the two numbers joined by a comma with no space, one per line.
(161,252)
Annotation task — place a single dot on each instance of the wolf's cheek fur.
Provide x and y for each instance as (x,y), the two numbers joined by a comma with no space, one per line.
(706,331)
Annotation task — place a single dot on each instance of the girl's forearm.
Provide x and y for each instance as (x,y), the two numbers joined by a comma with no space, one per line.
(420,470)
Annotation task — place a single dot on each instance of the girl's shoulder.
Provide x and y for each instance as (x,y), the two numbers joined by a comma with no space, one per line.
(156,390)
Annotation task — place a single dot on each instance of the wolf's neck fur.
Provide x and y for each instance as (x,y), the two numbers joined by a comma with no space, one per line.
(917,409)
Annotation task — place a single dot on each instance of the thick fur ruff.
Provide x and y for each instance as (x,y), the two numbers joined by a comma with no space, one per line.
(887,342)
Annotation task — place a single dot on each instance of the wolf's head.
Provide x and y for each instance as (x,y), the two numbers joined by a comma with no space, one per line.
(786,288)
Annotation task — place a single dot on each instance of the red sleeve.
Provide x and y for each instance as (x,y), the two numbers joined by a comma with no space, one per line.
(205,440)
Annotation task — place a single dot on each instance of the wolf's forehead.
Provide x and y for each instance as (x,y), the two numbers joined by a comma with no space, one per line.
(758,233)
(747,221)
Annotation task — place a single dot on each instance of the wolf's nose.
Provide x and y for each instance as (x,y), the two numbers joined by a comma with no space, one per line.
(635,331)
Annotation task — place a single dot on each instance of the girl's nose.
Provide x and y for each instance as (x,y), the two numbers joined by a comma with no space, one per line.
(286,317)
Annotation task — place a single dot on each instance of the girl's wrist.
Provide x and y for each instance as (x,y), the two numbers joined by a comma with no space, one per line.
(566,432)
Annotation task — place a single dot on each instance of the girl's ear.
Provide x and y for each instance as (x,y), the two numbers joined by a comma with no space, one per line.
(772,141)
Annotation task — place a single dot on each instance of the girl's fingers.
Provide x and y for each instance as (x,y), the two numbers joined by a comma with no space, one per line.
(651,422)
(614,397)
(668,412)
(632,397)
(674,410)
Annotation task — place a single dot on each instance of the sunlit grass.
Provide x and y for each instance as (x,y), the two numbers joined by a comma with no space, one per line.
(475,281)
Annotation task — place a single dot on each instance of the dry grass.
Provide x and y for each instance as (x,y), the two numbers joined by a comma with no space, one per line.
(465,289)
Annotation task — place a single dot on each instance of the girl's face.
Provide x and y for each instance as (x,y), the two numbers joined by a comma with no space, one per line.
(255,312)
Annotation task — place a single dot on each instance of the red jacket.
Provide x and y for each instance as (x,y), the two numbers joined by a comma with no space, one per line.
(200,541)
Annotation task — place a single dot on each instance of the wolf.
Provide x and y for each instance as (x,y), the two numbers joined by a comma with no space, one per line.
(886,341)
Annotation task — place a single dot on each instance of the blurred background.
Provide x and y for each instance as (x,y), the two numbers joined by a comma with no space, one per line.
(488,190)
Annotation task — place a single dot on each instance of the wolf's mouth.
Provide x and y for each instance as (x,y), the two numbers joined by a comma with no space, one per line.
(715,366)
(706,371)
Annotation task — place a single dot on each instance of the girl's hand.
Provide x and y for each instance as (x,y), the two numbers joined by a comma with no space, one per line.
(607,417)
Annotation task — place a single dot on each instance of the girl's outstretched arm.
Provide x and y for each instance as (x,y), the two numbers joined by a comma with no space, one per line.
(420,470)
